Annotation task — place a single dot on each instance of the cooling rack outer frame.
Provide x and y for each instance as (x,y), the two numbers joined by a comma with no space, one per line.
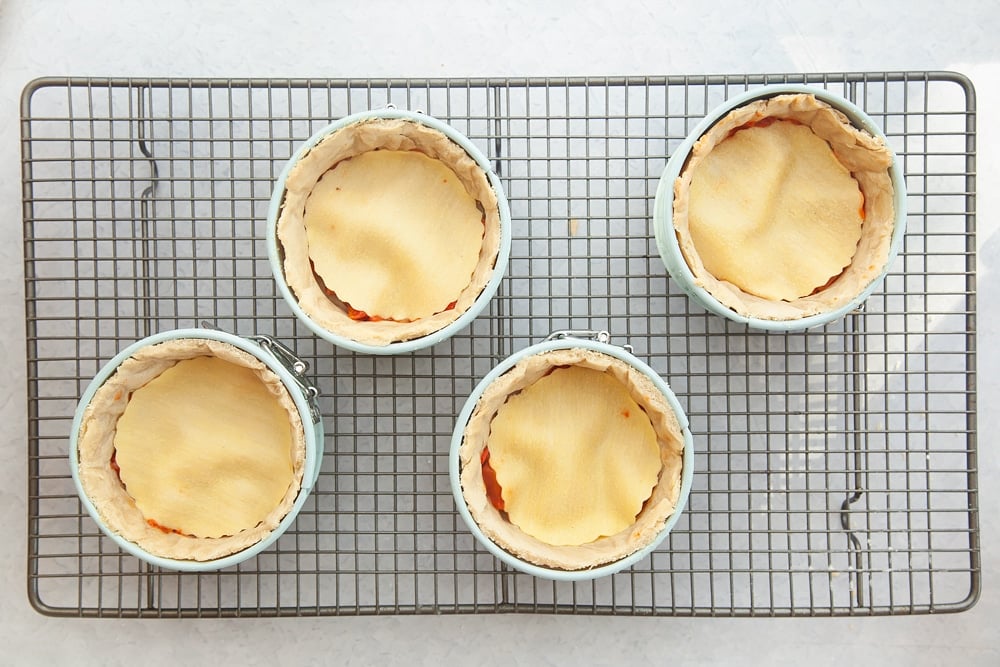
(838,475)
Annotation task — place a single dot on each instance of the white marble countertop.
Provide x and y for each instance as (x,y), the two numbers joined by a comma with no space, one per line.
(487,38)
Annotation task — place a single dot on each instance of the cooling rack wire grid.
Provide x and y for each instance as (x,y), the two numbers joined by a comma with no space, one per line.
(835,468)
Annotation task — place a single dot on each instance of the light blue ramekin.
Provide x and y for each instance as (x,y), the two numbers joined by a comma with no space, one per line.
(597,341)
(663,211)
(291,372)
(499,269)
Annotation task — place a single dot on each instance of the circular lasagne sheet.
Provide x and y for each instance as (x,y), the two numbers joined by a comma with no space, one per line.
(575,456)
(205,448)
(774,212)
(394,234)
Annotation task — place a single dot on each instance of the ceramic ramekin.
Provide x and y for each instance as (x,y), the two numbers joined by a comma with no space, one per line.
(598,342)
(276,252)
(669,246)
(277,358)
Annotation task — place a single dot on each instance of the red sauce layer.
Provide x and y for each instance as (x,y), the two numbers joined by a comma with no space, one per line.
(493,491)
(761,122)
(162,528)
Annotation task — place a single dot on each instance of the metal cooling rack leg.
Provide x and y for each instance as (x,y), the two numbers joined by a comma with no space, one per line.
(146,199)
(856,388)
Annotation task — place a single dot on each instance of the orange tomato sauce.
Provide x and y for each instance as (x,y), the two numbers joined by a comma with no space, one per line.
(493,491)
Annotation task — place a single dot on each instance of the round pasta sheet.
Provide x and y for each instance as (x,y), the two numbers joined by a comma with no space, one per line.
(575,456)
(774,212)
(205,449)
(394,234)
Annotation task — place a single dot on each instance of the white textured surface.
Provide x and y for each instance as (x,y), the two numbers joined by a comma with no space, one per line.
(438,38)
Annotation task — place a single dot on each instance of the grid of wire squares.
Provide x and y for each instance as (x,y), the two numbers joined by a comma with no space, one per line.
(835,469)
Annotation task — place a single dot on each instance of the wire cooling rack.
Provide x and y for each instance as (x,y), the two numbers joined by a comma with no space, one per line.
(835,469)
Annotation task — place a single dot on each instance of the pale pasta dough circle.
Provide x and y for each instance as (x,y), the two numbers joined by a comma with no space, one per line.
(394,234)
(774,212)
(204,448)
(575,456)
